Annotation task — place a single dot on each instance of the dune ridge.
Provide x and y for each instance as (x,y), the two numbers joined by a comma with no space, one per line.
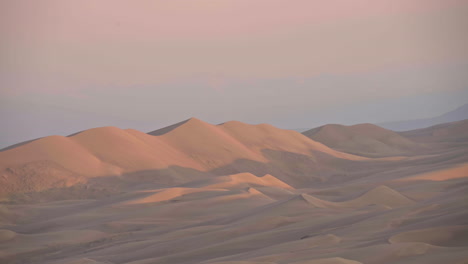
(244,180)
(193,144)
(167,195)
(380,195)
(363,139)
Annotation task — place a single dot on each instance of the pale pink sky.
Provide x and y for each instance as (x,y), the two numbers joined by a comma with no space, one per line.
(146,60)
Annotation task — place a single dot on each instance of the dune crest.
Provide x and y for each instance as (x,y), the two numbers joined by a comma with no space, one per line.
(457,172)
(169,194)
(258,193)
(381,195)
(246,179)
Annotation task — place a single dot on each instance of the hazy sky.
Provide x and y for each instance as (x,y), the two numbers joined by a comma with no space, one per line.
(71,65)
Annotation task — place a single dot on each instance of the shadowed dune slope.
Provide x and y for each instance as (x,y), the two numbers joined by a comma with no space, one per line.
(456,132)
(381,195)
(446,236)
(167,129)
(362,139)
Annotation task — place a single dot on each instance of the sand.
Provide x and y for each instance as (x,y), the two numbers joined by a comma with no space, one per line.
(110,151)
(364,139)
(235,194)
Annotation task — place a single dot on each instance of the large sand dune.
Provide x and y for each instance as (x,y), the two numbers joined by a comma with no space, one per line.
(363,139)
(447,132)
(110,151)
(236,194)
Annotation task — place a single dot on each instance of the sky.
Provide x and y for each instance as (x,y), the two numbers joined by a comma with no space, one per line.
(66,66)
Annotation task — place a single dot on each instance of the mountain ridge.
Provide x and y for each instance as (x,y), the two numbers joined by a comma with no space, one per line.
(458,114)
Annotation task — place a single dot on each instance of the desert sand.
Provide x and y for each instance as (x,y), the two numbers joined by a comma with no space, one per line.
(236,193)
(363,139)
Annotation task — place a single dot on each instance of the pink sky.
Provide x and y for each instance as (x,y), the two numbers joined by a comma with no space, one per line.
(146,42)
(80,54)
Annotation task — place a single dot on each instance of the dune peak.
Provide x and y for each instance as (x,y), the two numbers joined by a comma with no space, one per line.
(164,130)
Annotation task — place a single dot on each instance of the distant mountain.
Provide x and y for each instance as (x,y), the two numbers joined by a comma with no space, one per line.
(362,139)
(458,114)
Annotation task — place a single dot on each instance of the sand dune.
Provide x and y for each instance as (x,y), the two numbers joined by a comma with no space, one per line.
(196,193)
(109,151)
(446,236)
(91,153)
(234,140)
(28,244)
(363,139)
(169,194)
(460,171)
(277,193)
(317,202)
(242,180)
(214,186)
(448,132)
(381,195)
(257,193)
(37,176)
